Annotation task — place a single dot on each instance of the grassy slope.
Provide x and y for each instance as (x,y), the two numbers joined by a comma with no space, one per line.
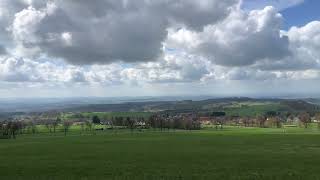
(232,108)
(255,109)
(207,154)
(109,115)
(243,109)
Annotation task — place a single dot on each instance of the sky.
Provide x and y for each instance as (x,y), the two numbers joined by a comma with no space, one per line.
(114,48)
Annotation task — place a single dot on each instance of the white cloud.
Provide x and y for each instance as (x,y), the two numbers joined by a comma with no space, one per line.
(151,43)
(24,28)
(306,38)
(17,70)
(239,40)
(67,38)
(104,31)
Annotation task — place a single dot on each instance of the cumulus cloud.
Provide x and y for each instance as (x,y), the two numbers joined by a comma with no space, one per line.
(251,45)
(104,31)
(115,42)
(306,38)
(303,45)
(197,14)
(7,10)
(17,70)
(14,69)
(172,68)
(175,67)
(239,40)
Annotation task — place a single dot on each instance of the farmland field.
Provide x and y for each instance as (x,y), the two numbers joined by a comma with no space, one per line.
(108,115)
(232,153)
(254,109)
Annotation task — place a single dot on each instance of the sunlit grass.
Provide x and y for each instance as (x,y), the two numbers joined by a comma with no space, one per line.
(230,153)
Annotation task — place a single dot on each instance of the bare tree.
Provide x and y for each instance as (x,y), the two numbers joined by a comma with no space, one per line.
(289,118)
(130,123)
(246,121)
(188,122)
(317,117)
(89,126)
(55,124)
(33,127)
(279,121)
(236,120)
(11,128)
(4,130)
(66,126)
(48,124)
(305,119)
(82,127)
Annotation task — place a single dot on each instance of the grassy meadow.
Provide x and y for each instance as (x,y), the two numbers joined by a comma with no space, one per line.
(107,115)
(254,109)
(231,153)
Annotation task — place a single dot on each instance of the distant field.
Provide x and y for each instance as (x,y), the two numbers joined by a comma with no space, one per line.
(233,153)
(235,109)
(109,115)
(254,109)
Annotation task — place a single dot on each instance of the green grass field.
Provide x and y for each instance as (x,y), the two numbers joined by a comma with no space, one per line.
(109,115)
(232,153)
(254,109)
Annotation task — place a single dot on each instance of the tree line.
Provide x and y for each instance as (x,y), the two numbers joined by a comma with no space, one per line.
(158,121)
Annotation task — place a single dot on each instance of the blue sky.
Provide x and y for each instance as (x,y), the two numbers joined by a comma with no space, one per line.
(301,14)
(295,12)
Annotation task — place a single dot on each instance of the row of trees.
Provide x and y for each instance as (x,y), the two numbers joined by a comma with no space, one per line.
(269,119)
(161,121)
(9,129)
(54,123)
(86,125)
(182,121)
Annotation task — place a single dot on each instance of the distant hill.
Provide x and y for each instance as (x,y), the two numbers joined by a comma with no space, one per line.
(231,105)
(300,105)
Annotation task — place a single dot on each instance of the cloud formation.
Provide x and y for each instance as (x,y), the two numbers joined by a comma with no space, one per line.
(147,42)
(104,31)
(241,39)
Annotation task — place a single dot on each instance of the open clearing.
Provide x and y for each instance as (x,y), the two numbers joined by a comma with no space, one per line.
(233,153)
